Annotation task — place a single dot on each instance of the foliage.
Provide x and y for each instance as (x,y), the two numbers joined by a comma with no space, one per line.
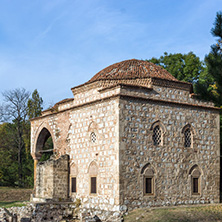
(16,167)
(47,146)
(209,85)
(185,67)
(35,105)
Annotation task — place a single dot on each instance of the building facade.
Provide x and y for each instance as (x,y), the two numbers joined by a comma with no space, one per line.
(132,136)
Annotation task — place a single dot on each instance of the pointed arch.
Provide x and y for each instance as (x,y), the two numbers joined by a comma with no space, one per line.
(93,177)
(73,169)
(148,178)
(158,122)
(40,137)
(93,168)
(194,167)
(195,174)
(92,126)
(93,132)
(189,126)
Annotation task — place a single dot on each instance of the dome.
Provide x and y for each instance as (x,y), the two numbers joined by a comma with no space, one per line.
(132,69)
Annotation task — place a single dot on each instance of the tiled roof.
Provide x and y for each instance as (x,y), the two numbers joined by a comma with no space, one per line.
(132,69)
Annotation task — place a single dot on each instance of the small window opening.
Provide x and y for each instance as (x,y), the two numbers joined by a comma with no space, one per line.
(93,184)
(187,138)
(157,135)
(195,185)
(148,185)
(93,137)
(73,184)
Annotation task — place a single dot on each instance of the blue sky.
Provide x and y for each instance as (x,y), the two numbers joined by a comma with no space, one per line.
(53,45)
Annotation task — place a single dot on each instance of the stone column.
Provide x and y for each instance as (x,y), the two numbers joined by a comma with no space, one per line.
(36,158)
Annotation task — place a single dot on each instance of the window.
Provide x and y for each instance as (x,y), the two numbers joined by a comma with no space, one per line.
(73,179)
(148,185)
(158,131)
(93,184)
(93,176)
(148,180)
(73,184)
(93,137)
(187,138)
(157,134)
(188,134)
(195,186)
(195,174)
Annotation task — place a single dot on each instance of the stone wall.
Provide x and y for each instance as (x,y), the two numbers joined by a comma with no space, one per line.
(60,211)
(52,179)
(171,161)
(121,118)
(41,212)
(71,133)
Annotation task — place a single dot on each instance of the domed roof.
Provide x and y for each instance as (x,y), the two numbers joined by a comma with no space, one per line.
(132,69)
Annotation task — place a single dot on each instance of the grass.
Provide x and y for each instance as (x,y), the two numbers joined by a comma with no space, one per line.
(205,213)
(12,204)
(10,196)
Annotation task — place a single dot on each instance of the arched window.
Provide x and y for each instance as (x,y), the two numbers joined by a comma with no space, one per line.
(188,133)
(93,172)
(148,179)
(93,133)
(158,131)
(195,175)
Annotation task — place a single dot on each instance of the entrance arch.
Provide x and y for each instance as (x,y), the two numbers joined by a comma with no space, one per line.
(42,135)
(42,140)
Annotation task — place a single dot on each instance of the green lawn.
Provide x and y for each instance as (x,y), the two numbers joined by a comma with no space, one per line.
(12,204)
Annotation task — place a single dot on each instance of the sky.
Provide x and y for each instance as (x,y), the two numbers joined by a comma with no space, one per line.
(54,45)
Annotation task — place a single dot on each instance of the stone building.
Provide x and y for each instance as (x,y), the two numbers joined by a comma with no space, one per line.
(132,136)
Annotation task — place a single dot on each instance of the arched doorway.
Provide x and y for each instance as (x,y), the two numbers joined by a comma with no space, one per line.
(44,145)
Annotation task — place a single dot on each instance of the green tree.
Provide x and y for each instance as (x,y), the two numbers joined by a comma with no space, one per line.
(15,110)
(8,157)
(185,67)
(35,105)
(214,62)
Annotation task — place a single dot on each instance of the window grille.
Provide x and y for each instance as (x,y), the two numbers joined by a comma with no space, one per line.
(93,137)
(157,135)
(187,138)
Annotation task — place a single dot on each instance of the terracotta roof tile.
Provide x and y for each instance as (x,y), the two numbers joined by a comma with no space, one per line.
(132,69)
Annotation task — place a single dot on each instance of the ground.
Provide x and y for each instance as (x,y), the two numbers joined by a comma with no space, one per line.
(201,213)
(13,196)
(16,197)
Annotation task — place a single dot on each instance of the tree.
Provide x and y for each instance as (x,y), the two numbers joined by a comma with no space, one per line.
(35,105)
(185,67)
(15,110)
(214,62)
(9,165)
